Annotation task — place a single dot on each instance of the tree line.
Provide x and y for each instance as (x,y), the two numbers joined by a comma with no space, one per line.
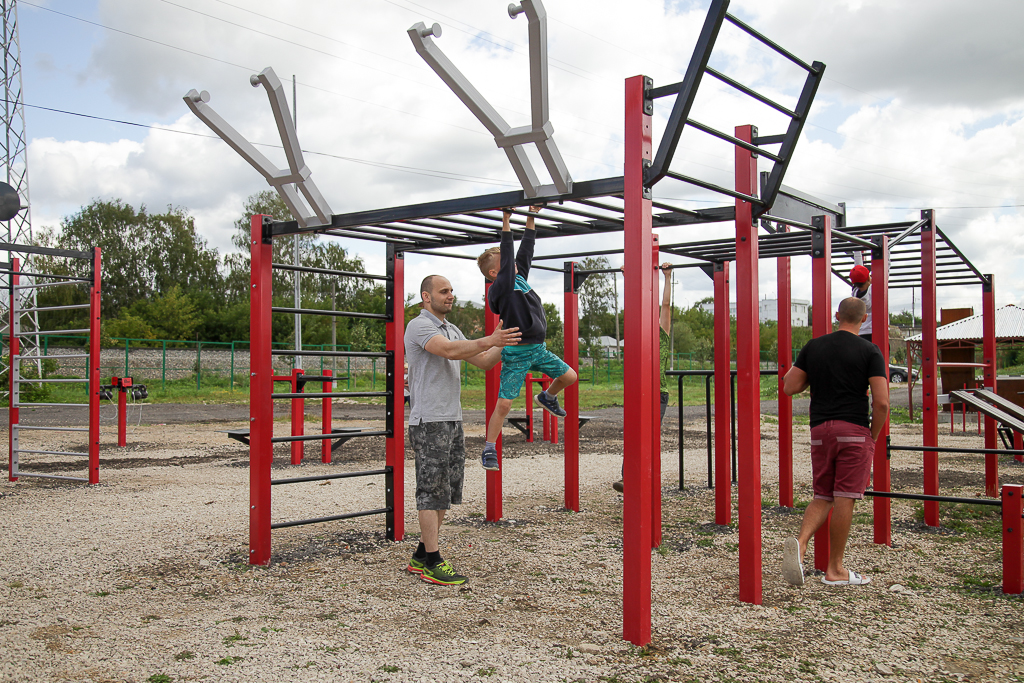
(162,281)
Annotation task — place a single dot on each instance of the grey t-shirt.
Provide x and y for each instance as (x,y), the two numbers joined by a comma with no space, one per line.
(434,382)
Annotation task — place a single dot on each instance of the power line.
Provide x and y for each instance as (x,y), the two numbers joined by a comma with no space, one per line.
(380,164)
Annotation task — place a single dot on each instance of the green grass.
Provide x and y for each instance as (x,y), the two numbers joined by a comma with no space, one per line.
(971,520)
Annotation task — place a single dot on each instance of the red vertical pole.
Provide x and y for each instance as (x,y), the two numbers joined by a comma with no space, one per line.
(929,367)
(122,417)
(570,328)
(545,415)
(325,445)
(880,335)
(261,386)
(1018,444)
(491,385)
(785,362)
(821,324)
(394,333)
(723,399)
(636,514)
(988,327)
(94,366)
(14,348)
(529,406)
(655,401)
(298,418)
(1013,539)
(748,375)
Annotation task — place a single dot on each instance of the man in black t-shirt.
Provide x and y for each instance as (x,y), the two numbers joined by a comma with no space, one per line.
(839,368)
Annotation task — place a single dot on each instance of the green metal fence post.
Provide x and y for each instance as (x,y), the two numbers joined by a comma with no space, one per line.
(163,369)
(125,357)
(199,366)
(231,383)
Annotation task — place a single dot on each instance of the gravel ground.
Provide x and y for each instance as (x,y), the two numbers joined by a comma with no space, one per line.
(143,578)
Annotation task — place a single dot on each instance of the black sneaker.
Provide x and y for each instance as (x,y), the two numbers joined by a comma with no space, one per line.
(443,573)
(489,458)
(416,565)
(549,404)
(618,486)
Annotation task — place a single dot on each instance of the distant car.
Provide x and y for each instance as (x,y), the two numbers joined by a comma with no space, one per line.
(898,374)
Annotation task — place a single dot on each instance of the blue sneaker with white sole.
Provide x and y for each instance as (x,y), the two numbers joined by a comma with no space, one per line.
(549,403)
(489,458)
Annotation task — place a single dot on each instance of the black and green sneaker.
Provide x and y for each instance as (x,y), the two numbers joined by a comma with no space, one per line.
(416,566)
(443,573)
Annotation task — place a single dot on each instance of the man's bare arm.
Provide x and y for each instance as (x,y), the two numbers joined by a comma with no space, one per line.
(665,316)
(795,381)
(464,349)
(879,404)
(486,360)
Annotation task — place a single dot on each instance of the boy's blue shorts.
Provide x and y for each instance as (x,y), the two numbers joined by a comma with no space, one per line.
(518,360)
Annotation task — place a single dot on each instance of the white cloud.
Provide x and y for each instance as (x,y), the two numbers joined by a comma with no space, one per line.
(921,107)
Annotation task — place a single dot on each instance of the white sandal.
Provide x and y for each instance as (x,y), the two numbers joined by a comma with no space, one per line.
(854,580)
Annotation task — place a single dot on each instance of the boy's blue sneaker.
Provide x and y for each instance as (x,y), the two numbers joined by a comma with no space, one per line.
(549,404)
(489,459)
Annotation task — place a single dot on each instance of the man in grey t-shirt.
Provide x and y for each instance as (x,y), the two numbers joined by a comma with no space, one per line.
(433,349)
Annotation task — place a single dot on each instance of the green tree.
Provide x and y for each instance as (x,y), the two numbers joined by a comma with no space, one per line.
(596,297)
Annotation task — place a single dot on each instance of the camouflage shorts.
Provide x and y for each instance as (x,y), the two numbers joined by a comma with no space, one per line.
(440,463)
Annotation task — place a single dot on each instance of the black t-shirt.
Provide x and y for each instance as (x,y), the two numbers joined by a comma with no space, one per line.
(838,367)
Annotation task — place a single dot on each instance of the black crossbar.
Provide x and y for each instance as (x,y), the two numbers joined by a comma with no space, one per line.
(333,394)
(321,311)
(732,140)
(941,499)
(52,277)
(752,32)
(940,449)
(45,251)
(329,437)
(332,518)
(713,187)
(324,477)
(325,271)
(753,93)
(336,354)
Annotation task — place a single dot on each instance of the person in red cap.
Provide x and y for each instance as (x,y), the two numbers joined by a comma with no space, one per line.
(861,279)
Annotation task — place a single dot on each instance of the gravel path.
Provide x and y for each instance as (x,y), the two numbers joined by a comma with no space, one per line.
(143,578)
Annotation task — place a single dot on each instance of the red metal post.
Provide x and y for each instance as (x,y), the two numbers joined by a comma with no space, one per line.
(1013,539)
(1018,444)
(94,366)
(298,418)
(929,367)
(570,328)
(492,381)
(261,386)
(638,277)
(723,397)
(880,335)
(325,445)
(122,414)
(748,375)
(988,327)
(529,406)
(785,362)
(655,401)
(821,324)
(394,333)
(14,348)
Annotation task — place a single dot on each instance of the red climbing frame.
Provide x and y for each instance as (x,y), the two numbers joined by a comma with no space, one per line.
(880,335)
(988,325)
(748,375)
(637,417)
(570,333)
(492,381)
(723,399)
(821,324)
(929,367)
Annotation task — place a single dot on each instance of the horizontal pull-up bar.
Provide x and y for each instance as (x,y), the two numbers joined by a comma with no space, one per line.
(940,449)
(330,437)
(713,187)
(321,311)
(733,140)
(52,277)
(426,252)
(332,518)
(337,354)
(324,477)
(746,28)
(907,233)
(332,394)
(45,251)
(325,271)
(756,95)
(941,499)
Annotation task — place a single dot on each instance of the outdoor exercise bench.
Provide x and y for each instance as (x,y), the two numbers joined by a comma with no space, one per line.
(340,438)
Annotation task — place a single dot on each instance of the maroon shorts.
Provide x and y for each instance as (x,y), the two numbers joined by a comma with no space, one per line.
(841,455)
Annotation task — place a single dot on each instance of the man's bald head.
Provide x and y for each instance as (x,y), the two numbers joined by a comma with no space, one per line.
(851,311)
(427,286)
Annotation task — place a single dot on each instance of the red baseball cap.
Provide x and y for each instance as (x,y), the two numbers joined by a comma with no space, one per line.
(859,275)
